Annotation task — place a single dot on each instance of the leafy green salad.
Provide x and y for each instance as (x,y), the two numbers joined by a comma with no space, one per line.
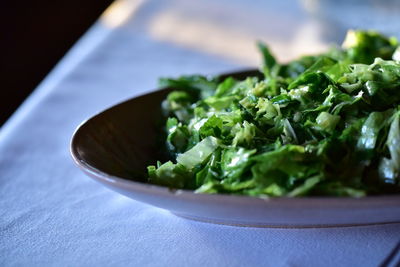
(325,125)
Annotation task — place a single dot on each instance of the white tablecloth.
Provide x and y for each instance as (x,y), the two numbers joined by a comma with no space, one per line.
(53,215)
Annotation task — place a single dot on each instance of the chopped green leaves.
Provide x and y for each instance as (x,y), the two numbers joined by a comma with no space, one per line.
(268,58)
(389,168)
(365,46)
(197,154)
(325,124)
(327,121)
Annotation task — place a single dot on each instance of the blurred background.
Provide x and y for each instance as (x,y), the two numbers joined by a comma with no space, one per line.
(36,34)
(34,37)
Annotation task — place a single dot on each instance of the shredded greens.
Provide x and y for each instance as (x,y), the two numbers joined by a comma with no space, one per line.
(326,124)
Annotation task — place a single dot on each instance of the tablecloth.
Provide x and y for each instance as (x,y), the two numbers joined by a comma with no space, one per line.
(53,215)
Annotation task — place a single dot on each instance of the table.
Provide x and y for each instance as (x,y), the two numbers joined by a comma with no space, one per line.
(53,215)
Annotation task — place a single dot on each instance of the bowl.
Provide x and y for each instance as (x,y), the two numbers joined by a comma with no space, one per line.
(115,146)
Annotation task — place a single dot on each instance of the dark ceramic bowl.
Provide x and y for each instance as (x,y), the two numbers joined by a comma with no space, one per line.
(115,146)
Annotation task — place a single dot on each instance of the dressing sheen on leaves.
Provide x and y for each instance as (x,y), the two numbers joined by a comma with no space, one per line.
(321,125)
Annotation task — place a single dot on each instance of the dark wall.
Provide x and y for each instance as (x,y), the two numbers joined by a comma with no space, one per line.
(34,36)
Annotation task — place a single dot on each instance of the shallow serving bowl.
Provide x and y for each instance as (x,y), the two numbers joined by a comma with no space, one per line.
(115,146)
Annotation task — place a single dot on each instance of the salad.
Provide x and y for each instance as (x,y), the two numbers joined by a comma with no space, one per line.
(321,125)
